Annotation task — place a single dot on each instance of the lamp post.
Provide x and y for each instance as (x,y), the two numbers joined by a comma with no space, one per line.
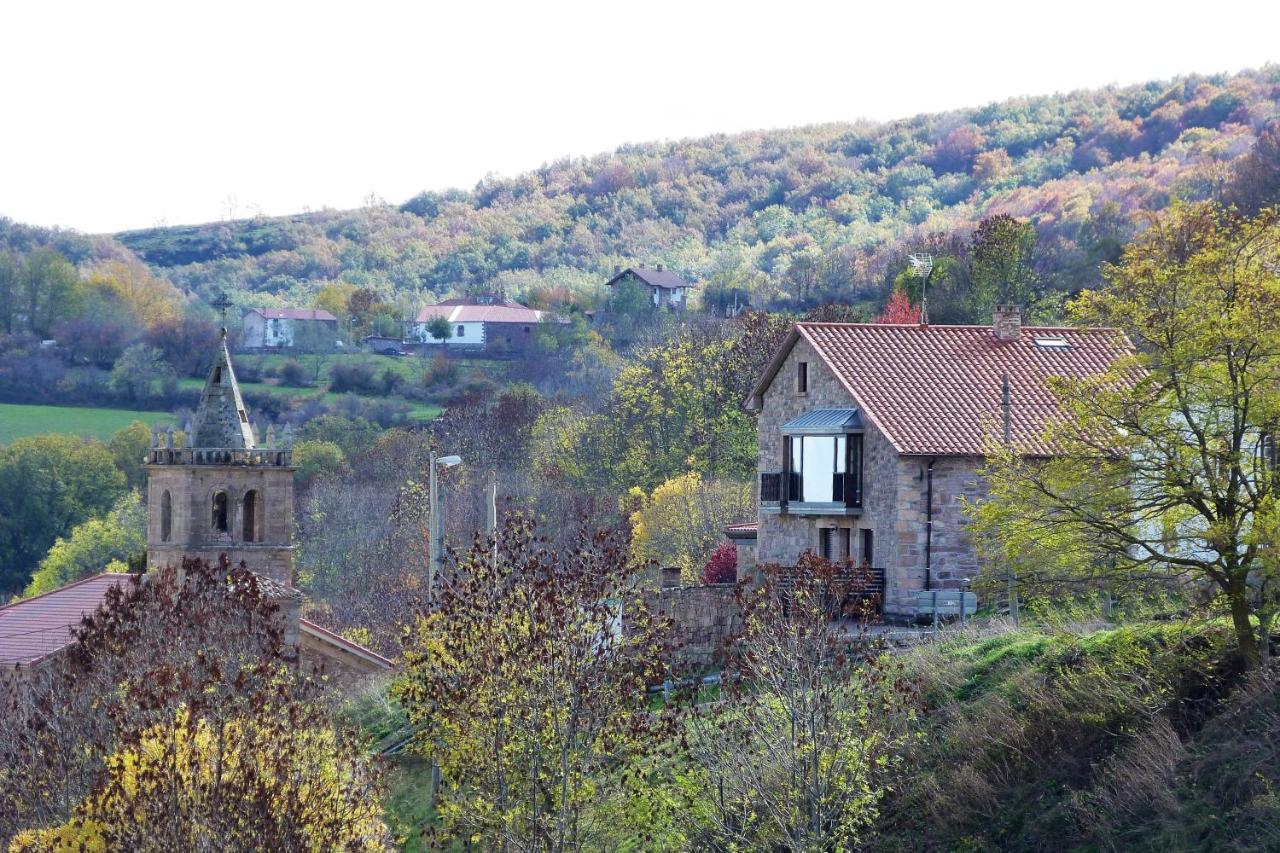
(435,525)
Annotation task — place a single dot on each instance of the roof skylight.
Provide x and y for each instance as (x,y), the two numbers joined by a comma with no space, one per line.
(1052,343)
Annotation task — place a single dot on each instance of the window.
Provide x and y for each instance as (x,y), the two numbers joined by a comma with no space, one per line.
(220,512)
(818,459)
(252,532)
(462,331)
(802,377)
(824,542)
(166,517)
(845,534)
(217,375)
(868,547)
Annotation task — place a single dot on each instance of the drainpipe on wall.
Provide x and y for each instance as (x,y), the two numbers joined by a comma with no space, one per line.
(928,526)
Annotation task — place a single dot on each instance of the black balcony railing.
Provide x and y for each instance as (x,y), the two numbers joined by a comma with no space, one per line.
(770,488)
(846,489)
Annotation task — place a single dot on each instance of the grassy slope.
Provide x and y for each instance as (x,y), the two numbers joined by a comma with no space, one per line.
(17,421)
(1142,737)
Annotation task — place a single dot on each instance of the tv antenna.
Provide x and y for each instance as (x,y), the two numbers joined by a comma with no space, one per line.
(921,268)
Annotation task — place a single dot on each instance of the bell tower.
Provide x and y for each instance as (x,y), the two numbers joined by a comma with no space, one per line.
(214,489)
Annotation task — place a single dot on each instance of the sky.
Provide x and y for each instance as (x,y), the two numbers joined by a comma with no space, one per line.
(120,115)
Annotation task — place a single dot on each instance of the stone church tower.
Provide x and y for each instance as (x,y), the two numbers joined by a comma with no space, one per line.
(213,489)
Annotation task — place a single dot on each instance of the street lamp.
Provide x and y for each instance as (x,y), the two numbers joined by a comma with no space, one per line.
(435,523)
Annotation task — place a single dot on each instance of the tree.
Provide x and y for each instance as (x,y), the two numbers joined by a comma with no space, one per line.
(10,279)
(1163,471)
(814,718)
(526,683)
(312,457)
(899,310)
(722,565)
(439,328)
(49,484)
(277,777)
(50,290)
(1003,264)
(129,447)
(681,523)
(93,546)
(176,721)
(149,301)
(141,373)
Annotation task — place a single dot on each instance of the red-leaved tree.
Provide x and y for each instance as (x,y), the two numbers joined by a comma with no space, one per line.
(899,310)
(723,565)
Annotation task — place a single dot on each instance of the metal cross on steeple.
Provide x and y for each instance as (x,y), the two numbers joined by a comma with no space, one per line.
(221,304)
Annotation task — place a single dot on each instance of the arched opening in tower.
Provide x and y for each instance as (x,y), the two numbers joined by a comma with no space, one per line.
(220,512)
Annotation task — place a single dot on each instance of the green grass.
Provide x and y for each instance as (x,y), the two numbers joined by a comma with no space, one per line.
(17,420)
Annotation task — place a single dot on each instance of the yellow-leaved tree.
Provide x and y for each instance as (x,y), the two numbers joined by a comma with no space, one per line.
(279,779)
(683,520)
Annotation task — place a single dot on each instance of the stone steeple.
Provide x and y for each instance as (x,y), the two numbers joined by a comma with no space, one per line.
(221,419)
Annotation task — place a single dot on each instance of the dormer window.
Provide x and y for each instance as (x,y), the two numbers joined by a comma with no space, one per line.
(802,377)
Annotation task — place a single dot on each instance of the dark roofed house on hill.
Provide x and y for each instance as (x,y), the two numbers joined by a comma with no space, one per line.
(870,436)
(665,288)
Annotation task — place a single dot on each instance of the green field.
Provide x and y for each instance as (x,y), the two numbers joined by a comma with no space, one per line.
(17,421)
(419,411)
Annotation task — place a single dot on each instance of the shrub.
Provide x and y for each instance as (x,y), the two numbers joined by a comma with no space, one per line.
(293,373)
(356,378)
(723,565)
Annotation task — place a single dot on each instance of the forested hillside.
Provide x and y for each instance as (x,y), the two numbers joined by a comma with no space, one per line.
(791,217)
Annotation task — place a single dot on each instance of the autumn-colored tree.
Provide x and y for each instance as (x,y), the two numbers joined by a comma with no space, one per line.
(149,300)
(177,721)
(899,310)
(275,777)
(814,718)
(722,565)
(1003,267)
(683,520)
(93,546)
(526,683)
(1166,468)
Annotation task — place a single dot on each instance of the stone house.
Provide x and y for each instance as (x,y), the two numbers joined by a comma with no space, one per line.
(278,328)
(212,489)
(480,322)
(871,436)
(665,288)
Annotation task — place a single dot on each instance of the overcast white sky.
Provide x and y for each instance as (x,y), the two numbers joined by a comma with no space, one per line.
(125,115)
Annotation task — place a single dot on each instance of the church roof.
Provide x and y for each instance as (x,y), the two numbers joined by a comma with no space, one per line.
(221,419)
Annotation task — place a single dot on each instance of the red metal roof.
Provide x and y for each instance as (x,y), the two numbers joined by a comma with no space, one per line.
(295,314)
(37,627)
(936,390)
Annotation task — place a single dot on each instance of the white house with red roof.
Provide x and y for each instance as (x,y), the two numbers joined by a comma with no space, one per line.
(267,328)
(484,322)
(871,435)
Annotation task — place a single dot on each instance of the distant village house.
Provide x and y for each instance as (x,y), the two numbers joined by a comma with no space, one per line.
(304,328)
(665,288)
(480,322)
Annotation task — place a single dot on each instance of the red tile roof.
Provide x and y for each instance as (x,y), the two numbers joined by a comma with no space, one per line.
(295,314)
(936,390)
(742,530)
(37,627)
(663,278)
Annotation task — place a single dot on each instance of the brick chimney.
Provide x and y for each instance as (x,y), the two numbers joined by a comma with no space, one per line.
(660,267)
(1007,323)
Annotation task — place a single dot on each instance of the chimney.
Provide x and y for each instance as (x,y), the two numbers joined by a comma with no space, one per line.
(617,270)
(1007,323)
(660,267)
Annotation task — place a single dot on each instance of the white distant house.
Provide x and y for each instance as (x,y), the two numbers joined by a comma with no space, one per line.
(483,322)
(266,328)
(666,289)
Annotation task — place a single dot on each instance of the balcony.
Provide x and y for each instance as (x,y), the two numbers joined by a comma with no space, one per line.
(784,492)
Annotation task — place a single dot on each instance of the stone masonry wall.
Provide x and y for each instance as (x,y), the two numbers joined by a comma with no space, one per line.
(191,489)
(782,536)
(704,617)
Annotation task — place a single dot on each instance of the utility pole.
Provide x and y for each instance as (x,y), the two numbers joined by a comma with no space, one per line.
(435,521)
